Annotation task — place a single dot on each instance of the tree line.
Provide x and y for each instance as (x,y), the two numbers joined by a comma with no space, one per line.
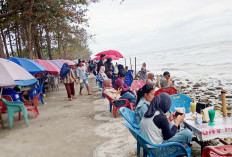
(44,29)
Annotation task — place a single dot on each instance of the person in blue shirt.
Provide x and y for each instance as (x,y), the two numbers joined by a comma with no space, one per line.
(144,97)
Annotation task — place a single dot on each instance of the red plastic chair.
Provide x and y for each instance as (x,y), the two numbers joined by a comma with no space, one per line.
(8,98)
(115,108)
(31,105)
(169,90)
(219,151)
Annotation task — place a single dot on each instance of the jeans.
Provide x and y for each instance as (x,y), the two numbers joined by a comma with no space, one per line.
(129,96)
(183,137)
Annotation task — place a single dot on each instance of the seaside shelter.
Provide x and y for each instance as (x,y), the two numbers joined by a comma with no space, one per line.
(57,63)
(70,63)
(50,67)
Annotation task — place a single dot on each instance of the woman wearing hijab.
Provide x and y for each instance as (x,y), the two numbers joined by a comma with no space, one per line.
(143,72)
(102,73)
(159,129)
(144,97)
(68,77)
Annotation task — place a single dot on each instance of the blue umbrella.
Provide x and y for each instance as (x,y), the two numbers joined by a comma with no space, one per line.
(30,65)
(57,63)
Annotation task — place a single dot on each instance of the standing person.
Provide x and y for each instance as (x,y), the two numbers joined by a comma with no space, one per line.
(143,73)
(81,74)
(157,128)
(101,62)
(109,67)
(166,80)
(68,77)
(144,97)
(102,73)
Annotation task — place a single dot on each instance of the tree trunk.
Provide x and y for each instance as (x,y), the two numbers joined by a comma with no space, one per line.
(48,44)
(59,48)
(36,43)
(11,47)
(2,55)
(16,44)
(4,41)
(30,33)
(41,41)
(65,56)
(19,43)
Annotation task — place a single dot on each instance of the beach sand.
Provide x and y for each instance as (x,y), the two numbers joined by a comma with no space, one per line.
(83,127)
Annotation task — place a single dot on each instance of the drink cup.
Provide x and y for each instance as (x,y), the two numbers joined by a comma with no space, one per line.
(211,117)
(193,107)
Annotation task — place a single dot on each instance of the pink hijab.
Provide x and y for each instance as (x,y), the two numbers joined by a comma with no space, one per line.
(107,83)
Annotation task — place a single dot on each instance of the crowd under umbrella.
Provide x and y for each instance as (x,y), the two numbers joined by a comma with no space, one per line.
(30,65)
(70,63)
(57,63)
(111,53)
(50,67)
(12,74)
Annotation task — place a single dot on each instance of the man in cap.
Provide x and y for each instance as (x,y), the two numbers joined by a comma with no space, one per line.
(166,80)
(101,62)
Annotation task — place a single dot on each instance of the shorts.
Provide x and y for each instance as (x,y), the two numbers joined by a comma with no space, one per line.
(85,82)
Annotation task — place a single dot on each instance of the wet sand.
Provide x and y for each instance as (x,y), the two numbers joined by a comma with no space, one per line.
(83,127)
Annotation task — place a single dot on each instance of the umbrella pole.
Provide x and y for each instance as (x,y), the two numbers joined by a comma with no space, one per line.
(1,92)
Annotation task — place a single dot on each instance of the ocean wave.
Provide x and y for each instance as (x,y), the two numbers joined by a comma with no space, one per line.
(229,62)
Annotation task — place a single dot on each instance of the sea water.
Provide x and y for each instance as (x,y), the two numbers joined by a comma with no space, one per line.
(211,63)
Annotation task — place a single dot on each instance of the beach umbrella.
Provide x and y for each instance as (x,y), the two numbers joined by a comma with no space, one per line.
(30,65)
(107,56)
(70,63)
(57,63)
(111,53)
(12,74)
(50,67)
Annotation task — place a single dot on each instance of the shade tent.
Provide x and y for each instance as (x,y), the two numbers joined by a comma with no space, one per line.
(30,65)
(111,52)
(57,63)
(12,74)
(50,67)
(70,63)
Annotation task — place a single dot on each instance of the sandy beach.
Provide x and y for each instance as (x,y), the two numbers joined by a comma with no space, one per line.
(78,128)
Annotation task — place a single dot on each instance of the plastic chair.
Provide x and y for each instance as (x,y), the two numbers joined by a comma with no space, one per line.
(219,151)
(144,143)
(31,105)
(169,90)
(14,107)
(129,117)
(180,100)
(129,78)
(16,96)
(36,91)
(100,81)
(115,108)
(6,97)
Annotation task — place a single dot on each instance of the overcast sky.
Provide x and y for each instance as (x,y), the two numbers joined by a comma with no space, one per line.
(138,26)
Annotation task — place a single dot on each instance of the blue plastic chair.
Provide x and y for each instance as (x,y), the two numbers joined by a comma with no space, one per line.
(16,96)
(144,142)
(129,117)
(180,100)
(129,78)
(100,81)
(36,91)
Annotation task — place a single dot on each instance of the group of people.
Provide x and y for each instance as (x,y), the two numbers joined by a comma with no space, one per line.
(150,111)
(76,74)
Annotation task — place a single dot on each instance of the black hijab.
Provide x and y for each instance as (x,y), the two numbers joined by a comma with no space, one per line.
(161,103)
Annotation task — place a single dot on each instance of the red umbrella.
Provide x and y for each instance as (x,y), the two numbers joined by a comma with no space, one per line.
(107,56)
(111,53)
(70,63)
(50,67)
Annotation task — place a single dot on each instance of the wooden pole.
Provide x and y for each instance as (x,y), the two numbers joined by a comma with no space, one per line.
(223,96)
(158,81)
(135,66)
(130,64)
(125,61)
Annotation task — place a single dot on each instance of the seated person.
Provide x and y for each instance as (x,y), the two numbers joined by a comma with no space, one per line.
(150,79)
(102,73)
(116,94)
(166,80)
(126,93)
(157,128)
(144,97)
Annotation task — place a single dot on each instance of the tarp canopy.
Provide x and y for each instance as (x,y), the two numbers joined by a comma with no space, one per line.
(30,65)
(12,74)
(57,63)
(70,63)
(50,67)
